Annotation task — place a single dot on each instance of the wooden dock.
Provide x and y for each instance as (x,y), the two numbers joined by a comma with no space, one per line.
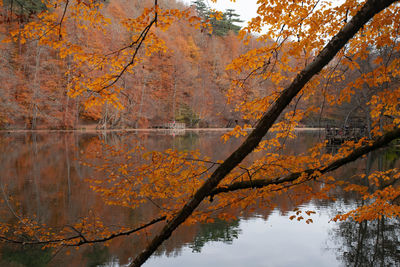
(337,136)
(171,125)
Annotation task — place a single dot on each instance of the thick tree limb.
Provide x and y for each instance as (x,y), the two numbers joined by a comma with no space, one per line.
(370,8)
(356,154)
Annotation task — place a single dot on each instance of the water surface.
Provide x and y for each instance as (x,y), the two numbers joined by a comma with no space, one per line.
(42,172)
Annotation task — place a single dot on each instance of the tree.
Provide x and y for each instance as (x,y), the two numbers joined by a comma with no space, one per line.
(265,123)
(201,8)
(232,18)
(24,8)
(189,55)
(296,60)
(220,23)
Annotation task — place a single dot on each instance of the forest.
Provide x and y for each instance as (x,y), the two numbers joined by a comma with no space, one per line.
(185,81)
(130,64)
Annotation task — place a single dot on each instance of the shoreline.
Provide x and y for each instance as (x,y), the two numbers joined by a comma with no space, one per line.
(91,130)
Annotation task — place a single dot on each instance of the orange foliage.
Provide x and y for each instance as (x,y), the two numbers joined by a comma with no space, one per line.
(291,34)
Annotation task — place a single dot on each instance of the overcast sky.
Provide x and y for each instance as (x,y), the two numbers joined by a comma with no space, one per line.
(245,8)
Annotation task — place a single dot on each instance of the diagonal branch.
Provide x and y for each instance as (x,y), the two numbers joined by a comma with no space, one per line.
(370,8)
(356,154)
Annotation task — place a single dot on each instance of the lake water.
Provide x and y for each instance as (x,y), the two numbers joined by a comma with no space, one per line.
(41,176)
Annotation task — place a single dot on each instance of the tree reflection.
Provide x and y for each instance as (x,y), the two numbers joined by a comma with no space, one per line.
(41,172)
(220,231)
(32,256)
(97,255)
(369,243)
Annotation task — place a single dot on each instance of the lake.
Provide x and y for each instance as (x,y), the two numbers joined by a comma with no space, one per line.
(42,175)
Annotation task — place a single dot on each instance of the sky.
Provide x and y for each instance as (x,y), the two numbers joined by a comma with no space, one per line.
(245,8)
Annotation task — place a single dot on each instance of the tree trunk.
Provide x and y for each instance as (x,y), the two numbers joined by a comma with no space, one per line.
(141,101)
(371,8)
(174,99)
(36,88)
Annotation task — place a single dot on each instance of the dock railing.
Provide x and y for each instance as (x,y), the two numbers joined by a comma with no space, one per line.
(174,125)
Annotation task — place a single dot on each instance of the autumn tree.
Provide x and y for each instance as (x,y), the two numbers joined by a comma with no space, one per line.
(302,47)
(191,57)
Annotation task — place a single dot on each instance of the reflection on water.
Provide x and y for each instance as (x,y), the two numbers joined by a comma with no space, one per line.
(369,243)
(220,231)
(25,256)
(43,174)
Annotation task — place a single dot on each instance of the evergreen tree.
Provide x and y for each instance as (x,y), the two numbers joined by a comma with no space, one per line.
(25,7)
(232,18)
(220,27)
(223,26)
(201,8)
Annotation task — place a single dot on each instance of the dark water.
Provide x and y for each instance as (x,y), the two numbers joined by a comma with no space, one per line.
(41,176)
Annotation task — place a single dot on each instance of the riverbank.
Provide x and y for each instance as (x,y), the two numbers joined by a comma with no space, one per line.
(94,130)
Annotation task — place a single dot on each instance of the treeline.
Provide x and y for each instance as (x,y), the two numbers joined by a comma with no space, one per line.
(186,83)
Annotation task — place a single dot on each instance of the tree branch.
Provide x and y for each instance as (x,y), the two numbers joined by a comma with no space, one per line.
(356,154)
(62,18)
(138,42)
(370,8)
(83,240)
